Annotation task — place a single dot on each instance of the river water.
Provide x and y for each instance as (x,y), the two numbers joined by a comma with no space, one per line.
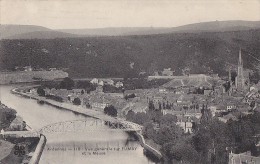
(101,147)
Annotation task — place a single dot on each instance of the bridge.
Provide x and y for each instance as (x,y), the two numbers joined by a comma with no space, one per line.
(78,126)
(90,125)
(20,134)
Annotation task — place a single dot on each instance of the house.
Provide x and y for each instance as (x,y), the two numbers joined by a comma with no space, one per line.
(99,102)
(109,82)
(115,95)
(157,99)
(101,83)
(142,73)
(243,158)
(184,100)
(99,89)
(94,81)
(78,91)
(194,113)
(119,84)
(231,106)
(52,69)
(162,90)
(228,117)
(207,92)
(100,105)
(27,68)
(47,91)
(33,91)
(167,72)
(185,123)
(137,92)
(217,108)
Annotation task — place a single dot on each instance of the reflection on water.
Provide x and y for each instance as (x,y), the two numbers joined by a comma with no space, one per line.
(93,147)
(69,148)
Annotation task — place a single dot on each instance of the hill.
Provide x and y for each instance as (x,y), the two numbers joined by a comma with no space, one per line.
(38,32)
(117,31)
(10,30)
(30,32)
(43,35)
(216,26)
(119,56)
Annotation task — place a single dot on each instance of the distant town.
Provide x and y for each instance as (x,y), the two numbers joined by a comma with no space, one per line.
(204,117)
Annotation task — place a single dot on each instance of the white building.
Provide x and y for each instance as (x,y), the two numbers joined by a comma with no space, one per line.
(94,81)
(119,84)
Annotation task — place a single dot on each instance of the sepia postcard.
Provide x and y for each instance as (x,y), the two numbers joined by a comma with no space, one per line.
(129,82)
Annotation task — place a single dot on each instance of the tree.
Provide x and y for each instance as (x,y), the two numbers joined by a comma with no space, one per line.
(76,101)
(160,106)
(40,91)
(67,83)
(82,92)
(155,115)
(141,118)
(233,76)
(151,105)
(88,105)
(185,152)
(255,77)
(168,120)
(130,115)
(148,130)
(111,111)
(130,96)
(168,134)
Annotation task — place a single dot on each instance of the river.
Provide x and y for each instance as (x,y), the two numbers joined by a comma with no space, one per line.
(101,147)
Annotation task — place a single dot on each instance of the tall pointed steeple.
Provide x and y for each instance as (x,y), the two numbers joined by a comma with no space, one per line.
(240,62)
(240,80)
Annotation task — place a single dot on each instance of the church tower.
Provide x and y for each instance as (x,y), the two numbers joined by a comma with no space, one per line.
(240,80)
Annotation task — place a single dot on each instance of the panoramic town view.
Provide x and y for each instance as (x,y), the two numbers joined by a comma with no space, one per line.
(133,82)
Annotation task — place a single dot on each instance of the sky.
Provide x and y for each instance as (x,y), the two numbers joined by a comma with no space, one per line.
(75,14)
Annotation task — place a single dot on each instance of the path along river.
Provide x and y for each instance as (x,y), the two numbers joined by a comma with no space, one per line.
(101,147)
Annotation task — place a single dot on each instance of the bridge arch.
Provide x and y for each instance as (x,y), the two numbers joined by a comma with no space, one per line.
(90,125)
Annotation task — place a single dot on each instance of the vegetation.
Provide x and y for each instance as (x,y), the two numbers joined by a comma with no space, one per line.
(85,85)
(130,96)
(76,101)
(200,52)
(40,91)
(67,83)
(111,111)
(55,98)
(7,115)
(111,89)
(210,141)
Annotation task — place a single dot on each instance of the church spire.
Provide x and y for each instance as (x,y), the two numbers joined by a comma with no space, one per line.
(240,80)
(240,62)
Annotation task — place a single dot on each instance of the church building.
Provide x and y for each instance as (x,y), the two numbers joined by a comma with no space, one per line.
(242,78)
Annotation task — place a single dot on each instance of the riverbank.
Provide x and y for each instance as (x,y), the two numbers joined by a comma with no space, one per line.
(84,111)
(149,148)
(10,121)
